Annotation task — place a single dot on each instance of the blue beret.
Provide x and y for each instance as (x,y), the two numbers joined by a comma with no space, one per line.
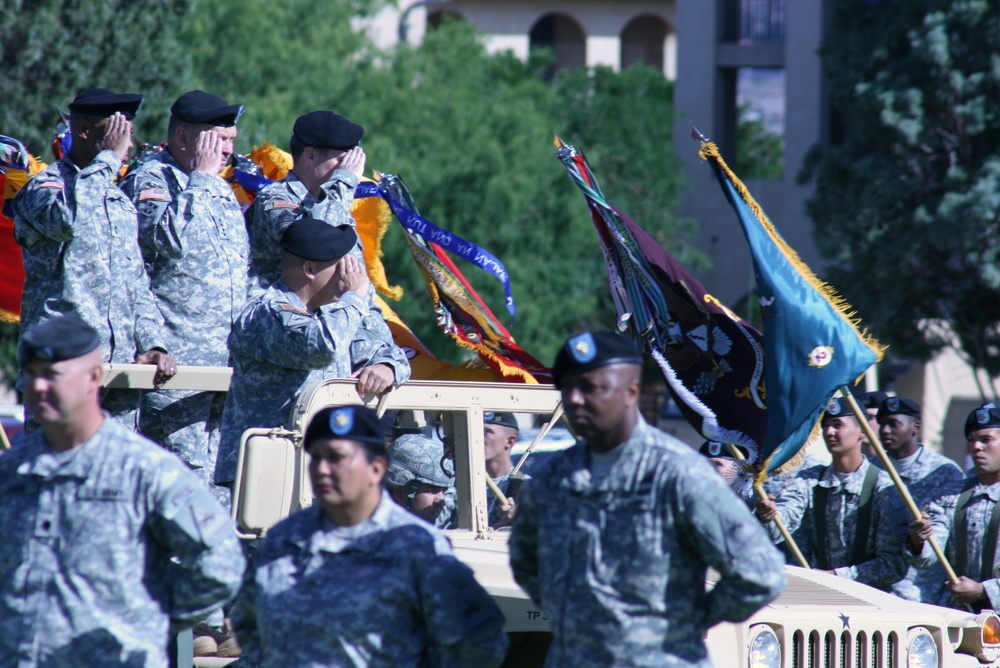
(103,102)
(898,406)
(198,106)
(986,416)
(715,449)
(60,338)
(325,129)
(872,399)
(317,240)
(591,350)
(353,423)
(502,419)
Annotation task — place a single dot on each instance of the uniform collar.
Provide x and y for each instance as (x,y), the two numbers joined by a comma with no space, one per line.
(851,484)
(623,473)
(47,463)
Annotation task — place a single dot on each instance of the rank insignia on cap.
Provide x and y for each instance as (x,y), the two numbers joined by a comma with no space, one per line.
(821,356)
(152,193)
(714,448)
(833,408)
(983,414)
(341,421)
(583,348)
(892,403)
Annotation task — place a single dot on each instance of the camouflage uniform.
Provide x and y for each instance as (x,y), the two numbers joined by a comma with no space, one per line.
(273,211)
(194,242)
(448,519)
(885,536)
(279,347)
(301,603)
(103,547)
(78,233)
(925,477)
(618,566)
(977,519)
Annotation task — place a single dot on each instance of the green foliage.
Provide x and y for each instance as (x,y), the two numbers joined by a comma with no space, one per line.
(760,154)
(907,199)
(51,50)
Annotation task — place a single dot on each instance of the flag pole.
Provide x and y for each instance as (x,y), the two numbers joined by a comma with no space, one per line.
(891,470)
(759,489)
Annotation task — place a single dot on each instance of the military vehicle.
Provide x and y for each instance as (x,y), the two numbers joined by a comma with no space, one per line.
(819,621)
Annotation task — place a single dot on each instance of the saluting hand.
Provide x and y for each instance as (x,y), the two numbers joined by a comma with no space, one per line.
(207,154)
(117,135)
(350,276)
(354,161)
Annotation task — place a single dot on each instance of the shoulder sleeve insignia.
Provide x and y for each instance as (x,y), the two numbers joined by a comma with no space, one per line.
(283,204)
(292,308)
(152,193)
(51,184)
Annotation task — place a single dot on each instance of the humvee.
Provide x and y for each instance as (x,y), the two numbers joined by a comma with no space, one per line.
(819,621)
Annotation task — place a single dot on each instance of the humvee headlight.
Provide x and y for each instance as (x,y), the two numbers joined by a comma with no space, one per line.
(765,650)
(991,630)
(921,650)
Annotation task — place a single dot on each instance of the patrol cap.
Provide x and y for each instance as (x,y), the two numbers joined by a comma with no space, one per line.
(898,406)
(986,416)
(417,457)
(353,423)
(103,102)
(502,419)
(317,240)
(63,337)
(591,350)
(872,399)
(325,129)
(198,106)
(716,450)
(838,407)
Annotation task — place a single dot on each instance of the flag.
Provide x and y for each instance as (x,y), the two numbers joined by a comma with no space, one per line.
(812,342)
(17,166)
(711,359)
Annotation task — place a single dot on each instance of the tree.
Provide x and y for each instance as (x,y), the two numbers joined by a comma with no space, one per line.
(908,195)
(760,154)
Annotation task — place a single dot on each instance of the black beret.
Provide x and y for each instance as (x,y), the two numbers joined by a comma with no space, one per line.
(986,416)
(872,399)
(898,406)
(103,102)
(63,337)
(354,423)
(502,419)
(838,407)
(319,241)
(591,350)
(201,107)
(325,129)
(715,450)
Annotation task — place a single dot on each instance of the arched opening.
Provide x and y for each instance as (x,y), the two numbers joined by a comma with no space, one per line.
(564,37)
(644,41)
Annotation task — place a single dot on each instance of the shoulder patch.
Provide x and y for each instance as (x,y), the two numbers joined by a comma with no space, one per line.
(283,204)
(152,193)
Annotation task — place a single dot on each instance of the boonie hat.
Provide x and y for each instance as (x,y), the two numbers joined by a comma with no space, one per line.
(591,350)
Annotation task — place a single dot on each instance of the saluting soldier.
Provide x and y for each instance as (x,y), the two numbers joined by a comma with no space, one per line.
(295,334)
(849,510)
(926,475)
(965,519)
(327,164)
(194,243)
(78,237)
(614,537)
(108,541)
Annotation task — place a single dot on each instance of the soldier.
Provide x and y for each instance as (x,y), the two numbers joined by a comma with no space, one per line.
(78,235)
(964,519)
(870,402)
(613,538)
(500,432)
(194,243)
(416,477)
(295,334)
(328,162)
(108,540)
(926,474)
(730,469)
(848,509)
(355,580)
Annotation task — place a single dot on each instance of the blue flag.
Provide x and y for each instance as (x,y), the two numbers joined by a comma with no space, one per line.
(812,345)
